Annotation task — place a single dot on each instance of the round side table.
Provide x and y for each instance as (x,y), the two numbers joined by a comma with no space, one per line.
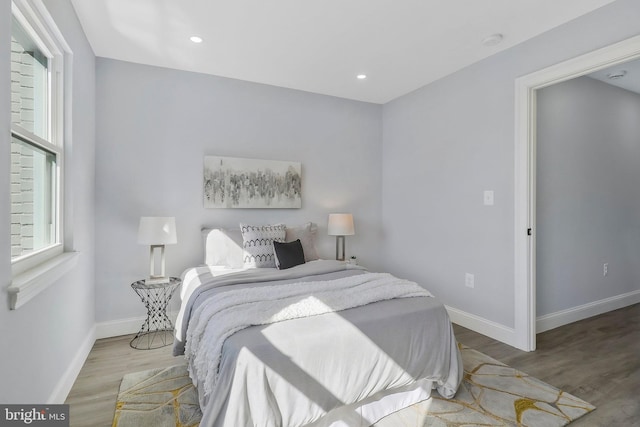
(157,329)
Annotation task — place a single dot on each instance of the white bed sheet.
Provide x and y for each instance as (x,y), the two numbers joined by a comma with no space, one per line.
(338,369)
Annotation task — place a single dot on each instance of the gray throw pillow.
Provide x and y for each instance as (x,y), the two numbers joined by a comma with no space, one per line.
(257,244)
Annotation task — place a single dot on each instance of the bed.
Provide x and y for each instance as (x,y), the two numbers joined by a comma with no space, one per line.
(323,343)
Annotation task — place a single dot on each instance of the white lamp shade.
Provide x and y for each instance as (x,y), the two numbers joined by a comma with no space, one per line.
(157,230)
(341,224)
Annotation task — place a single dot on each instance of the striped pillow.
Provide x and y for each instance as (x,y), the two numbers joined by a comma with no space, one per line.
(257,244)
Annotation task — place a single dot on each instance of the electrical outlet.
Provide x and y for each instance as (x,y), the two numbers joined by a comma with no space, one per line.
(488,197)
(605,269)
(469,280)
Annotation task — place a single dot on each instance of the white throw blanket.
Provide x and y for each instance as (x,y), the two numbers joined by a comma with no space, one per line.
(229,312)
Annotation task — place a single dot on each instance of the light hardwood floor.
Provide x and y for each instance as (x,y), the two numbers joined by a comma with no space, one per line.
(93,396)
(596,359)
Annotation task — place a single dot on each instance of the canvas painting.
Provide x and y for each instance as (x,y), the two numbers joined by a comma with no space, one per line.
(231,182)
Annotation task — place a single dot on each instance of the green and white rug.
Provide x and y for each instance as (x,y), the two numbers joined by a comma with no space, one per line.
(491,394)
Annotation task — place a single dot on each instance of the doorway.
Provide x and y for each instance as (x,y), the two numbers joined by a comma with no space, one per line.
(525,172)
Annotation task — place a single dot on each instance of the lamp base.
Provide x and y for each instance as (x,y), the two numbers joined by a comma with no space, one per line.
(154,280)
(339,245)
(156,277)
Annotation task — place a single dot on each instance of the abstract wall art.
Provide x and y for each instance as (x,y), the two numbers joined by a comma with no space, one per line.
(231,182)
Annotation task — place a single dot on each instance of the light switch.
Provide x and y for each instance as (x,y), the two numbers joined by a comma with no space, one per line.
(469,280)
(488,197)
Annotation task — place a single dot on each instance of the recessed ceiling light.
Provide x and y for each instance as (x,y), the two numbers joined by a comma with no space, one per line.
(196,39)
(361,76)
(493,39)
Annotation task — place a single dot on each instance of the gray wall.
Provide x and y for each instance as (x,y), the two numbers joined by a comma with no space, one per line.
(588,193)
(447,142)
(155,126)
(41,338)
(442,146)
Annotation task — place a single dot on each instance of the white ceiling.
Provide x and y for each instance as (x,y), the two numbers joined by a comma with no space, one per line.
(630,81)
(319,46)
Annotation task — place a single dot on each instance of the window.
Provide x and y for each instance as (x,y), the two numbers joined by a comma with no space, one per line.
(36,145)
(38,56)
(33,197)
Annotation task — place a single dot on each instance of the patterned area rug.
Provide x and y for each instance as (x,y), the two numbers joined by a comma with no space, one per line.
(491,394)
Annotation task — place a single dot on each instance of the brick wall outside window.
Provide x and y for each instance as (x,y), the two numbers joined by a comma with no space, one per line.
(22,113)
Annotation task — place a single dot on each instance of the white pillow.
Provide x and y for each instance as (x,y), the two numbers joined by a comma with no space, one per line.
(223,247)
(307,235)
(257,244)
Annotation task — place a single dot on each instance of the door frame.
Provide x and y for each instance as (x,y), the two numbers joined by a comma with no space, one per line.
(525,172)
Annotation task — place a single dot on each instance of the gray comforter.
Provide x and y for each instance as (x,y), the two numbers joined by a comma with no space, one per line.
(350,367)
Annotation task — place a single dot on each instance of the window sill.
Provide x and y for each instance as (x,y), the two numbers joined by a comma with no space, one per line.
(27,285)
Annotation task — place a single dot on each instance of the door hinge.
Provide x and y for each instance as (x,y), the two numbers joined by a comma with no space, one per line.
(528,232)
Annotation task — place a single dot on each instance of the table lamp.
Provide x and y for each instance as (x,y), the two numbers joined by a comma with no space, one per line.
(340,225)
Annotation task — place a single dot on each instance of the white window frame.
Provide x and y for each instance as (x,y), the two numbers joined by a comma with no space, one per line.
(28,261)
(34,272)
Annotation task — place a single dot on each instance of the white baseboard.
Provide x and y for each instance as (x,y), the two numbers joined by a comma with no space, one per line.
(543,323)
(478,324)
(62,389)
(483,326)
(570,315)
(109,329)
(116,328)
